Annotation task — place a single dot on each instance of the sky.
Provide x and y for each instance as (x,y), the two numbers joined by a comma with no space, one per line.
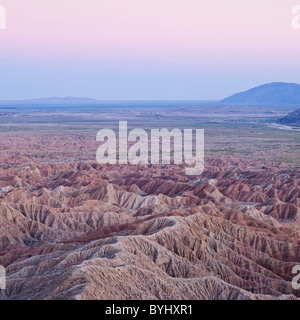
(146,49)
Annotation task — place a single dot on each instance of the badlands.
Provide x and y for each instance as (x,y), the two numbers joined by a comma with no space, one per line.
(71,228)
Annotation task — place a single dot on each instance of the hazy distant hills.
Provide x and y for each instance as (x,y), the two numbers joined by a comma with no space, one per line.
(271,93)
(64,100)
(291,119)
(52,101)
(85,102)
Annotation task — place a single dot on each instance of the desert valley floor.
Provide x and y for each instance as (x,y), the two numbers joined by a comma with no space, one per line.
(71,228)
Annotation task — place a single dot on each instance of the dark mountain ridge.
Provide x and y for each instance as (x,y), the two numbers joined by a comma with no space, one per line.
(291,119)
(272,93)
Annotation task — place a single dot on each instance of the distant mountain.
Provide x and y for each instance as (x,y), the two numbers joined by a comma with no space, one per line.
(271,93)
(291,119)
(53,101)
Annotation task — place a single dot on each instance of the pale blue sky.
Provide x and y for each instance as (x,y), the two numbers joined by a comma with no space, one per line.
(141,49)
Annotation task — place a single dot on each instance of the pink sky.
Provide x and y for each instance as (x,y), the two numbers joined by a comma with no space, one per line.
(146,34)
